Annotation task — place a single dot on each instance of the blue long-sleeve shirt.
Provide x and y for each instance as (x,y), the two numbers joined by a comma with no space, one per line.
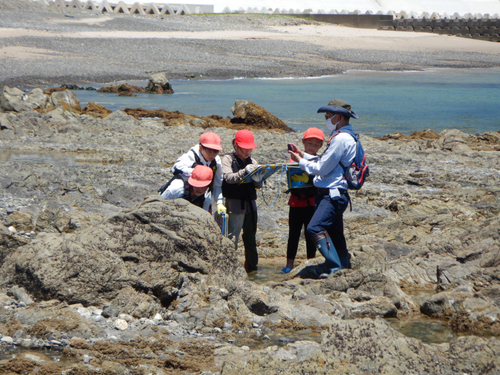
(327,169)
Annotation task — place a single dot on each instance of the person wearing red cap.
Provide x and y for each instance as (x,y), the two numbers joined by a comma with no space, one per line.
(205,153)
(241,198)
(192,188)
(302,202)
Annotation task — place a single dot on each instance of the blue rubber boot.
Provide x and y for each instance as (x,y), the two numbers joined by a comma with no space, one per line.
(326,248)
(345,260)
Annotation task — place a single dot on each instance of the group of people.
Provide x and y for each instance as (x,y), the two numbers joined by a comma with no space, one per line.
(200,176)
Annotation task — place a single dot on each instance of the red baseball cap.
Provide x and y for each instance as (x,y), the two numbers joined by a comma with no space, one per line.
(211,140)
(244,139)
(201,176)
(314,133)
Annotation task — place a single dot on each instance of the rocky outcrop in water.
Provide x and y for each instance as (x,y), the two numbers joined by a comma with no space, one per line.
(159,84)
(110,268)
(256,117)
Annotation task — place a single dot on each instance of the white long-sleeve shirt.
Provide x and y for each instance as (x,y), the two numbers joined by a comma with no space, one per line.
(176,190)
(185,164)
(328,170)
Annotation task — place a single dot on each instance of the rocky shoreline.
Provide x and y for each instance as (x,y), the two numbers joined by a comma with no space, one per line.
(98,275)
(96,267)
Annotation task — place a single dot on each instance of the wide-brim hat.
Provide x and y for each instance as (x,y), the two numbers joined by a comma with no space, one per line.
(337,109)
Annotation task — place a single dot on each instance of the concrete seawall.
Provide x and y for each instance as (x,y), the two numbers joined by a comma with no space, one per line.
(476,28)
(468,26)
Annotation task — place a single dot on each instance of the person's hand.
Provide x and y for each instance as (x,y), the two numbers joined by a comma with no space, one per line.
(295,149)
(221,209)
(295,156)
(250,168)
(304,177)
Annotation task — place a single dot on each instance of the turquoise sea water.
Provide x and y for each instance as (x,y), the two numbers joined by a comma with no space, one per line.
(386,102)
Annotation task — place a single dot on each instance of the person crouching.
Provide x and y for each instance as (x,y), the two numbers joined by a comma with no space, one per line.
(192,188)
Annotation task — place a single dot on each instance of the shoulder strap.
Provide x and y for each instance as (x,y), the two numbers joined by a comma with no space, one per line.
(348,132)
(197,160)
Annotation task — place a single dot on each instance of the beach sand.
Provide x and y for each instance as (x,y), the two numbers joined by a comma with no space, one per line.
(50,48)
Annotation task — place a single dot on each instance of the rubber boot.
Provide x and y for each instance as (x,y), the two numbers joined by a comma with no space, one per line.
(345,260)
(326,248)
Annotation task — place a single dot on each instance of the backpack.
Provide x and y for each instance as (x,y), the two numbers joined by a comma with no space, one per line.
(356,173)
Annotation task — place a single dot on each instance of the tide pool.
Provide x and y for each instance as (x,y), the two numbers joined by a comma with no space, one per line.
(386,102)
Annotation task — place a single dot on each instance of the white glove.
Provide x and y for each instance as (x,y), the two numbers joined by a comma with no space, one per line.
(250,168)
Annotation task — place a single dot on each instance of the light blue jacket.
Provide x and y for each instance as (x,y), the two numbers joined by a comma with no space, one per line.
(327,169)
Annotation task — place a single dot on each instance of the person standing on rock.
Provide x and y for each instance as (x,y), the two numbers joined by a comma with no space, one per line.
(302,203)
(241,198)
(326,227)
(192,188)
(205,153)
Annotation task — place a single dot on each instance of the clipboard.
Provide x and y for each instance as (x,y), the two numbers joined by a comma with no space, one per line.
(293,169)
(261,173)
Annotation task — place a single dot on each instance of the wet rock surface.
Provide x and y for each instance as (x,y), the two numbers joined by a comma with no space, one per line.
(98,269)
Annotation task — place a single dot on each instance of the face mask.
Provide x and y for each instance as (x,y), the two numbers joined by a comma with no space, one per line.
(330,126)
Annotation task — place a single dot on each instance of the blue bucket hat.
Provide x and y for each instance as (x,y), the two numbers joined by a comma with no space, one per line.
(337,109)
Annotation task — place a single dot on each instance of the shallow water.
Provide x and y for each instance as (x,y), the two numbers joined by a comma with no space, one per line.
(386,102)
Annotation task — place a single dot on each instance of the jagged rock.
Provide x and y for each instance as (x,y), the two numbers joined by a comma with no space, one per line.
(454,140)
(129,301)
(22,221)
(159,84)
(21,295)
(119,88)
(96,110)
(66,100)
(250,114)
(13,99)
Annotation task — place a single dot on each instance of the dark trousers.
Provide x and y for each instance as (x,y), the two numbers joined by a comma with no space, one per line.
(247,222)
(299,217)
(249,231)
(329,216)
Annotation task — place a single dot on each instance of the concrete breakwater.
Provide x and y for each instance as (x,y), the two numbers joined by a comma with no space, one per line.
(476,26)
(136,8)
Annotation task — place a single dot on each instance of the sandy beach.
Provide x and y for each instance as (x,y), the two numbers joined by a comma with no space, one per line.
(45,47)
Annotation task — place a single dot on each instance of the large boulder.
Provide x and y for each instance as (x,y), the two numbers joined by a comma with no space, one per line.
(254,116)
(159,84)
(66,100)
(16,100)
(148,248)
